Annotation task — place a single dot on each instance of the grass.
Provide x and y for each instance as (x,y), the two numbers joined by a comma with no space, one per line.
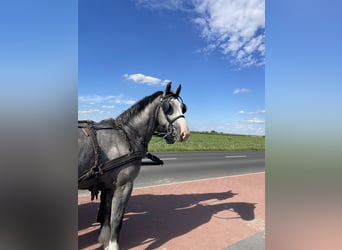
(210,141)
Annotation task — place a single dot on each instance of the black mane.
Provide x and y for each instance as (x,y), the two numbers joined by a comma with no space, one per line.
(137,107)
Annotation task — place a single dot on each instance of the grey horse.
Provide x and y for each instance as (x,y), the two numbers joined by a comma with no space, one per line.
(110,153)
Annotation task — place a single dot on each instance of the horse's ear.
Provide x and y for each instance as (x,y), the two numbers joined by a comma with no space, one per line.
(178,90)
(168,88)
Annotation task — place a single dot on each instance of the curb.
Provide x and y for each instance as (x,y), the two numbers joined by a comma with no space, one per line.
(254,242)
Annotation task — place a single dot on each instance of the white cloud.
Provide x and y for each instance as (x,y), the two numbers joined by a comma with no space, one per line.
(242,112)
(256,130)
(234,27)
(232,126)
(94,99)
(90,111)
(242,90)
(108,106)
(254,44)
(98,107)
(149,80)
(127,102)
(252,126)
(255,120)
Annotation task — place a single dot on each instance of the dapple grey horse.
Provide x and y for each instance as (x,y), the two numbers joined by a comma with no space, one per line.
(110,153)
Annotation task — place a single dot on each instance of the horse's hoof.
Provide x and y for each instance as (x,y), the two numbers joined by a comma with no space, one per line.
(111,245)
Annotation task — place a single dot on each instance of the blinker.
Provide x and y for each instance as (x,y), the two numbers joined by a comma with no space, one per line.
(167,108)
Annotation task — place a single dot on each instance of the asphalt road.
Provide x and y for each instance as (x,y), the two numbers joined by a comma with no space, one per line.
(187,166)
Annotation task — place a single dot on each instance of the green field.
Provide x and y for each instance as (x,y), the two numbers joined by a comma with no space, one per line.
(210,141)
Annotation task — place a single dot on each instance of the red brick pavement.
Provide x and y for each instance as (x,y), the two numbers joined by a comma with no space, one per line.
(206,214)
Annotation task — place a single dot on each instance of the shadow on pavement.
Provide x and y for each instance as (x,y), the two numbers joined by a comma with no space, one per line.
(156,219)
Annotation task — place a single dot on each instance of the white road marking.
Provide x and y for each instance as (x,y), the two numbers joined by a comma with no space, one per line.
(168,159)
(236,156)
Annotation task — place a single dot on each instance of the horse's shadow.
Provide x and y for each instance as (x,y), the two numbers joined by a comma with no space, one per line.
(156,219)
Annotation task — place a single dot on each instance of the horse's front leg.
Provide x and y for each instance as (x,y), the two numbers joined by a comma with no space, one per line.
(119,201)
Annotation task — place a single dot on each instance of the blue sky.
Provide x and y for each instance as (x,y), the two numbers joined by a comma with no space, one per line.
(129,49)
(303,92)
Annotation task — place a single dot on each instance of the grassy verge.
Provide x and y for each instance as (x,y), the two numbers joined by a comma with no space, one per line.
(210,141)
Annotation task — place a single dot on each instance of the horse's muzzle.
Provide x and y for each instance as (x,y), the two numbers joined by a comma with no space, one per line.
(176,133)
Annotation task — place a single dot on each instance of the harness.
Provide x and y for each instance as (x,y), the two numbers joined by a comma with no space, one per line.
(99,167)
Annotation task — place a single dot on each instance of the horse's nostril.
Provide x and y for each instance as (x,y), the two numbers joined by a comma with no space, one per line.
(184,135)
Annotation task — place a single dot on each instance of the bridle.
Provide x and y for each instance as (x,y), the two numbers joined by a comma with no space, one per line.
(165,106)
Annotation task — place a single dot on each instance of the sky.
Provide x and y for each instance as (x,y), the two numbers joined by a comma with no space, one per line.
(41,48)
(128,49)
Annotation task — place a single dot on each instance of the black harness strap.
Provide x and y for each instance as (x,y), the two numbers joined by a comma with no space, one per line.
(155,160)
(109,165)
(115,163)
(122,160)
(90,131)
(89,128)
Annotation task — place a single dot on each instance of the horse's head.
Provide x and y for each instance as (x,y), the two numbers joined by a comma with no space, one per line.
(171,120)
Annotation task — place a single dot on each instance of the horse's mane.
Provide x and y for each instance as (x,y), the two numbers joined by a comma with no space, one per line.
(137,107)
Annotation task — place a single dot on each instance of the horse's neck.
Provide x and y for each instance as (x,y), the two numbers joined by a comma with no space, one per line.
(143,123)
